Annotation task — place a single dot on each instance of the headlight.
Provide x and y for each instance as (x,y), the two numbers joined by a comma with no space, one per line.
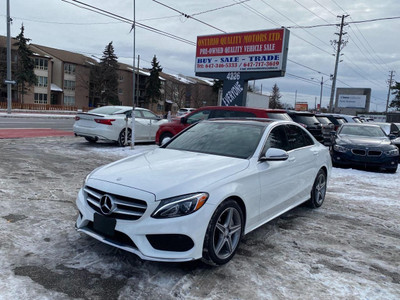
(339,148)
(180,206)
(393,152)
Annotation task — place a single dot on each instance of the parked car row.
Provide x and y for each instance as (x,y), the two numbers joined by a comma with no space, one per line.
(113,123)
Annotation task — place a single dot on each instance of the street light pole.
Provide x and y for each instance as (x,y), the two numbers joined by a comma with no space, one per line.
(133,75)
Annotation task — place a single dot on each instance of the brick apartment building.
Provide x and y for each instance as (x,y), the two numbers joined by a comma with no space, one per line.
(64,79)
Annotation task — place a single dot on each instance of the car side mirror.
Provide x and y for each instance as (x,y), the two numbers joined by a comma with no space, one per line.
(165,140)
(274,154)
(392,136)
(183,120)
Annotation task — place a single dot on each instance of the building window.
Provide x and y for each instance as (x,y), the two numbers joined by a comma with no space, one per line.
(41,63)
(120,91)
(69,85)
(69,68)
(121,77)
(40,98)
(41,81)
(69,100)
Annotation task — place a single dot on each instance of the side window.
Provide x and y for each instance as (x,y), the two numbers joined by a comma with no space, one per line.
(224,113)
(138,114)
(149,115)
(199,116)
(277,139)
(243,114)
(297,138)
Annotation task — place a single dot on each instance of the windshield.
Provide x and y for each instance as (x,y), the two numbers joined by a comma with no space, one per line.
(370,131)
(279,116)
(226,139)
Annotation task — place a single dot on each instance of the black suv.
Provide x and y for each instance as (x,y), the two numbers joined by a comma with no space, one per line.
(308,121)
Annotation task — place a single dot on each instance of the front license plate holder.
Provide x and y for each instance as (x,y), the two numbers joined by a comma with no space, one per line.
(104,225)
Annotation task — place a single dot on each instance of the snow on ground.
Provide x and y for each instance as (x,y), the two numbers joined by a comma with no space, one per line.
(347,249)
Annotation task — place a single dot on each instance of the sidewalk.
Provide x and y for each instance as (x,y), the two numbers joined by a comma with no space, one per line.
(17,113)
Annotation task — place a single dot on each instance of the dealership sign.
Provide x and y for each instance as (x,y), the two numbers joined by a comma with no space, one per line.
(352,101)
(256,51)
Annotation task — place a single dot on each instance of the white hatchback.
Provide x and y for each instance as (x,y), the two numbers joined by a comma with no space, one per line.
(111,123)
(198,194)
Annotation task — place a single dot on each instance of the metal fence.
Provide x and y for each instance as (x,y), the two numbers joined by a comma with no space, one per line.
(42,107)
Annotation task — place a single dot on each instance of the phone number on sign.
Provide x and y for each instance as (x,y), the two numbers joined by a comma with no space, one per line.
(217,66)
(261,64)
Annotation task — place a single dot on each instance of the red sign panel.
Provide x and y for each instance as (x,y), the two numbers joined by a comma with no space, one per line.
(241,52)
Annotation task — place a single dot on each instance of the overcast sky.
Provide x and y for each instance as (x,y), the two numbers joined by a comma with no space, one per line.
(372,51)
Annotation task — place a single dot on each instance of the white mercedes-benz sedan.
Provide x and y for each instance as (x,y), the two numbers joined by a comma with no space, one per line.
(114,123)
(198,194)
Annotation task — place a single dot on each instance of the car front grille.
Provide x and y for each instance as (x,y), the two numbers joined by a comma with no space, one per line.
(362,152)
(125,208)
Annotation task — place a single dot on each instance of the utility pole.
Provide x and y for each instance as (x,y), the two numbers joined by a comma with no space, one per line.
(8,81)
(390,87)
(339,45)
(320,93)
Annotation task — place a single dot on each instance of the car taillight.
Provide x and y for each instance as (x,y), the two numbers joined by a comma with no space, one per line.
(104,121)
(304,125)
(77,118)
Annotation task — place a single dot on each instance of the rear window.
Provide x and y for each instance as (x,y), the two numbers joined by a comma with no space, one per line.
(279,116)
(324,120)
(305,119)
(341,120)
(106,110)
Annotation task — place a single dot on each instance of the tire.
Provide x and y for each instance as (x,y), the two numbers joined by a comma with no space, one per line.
(121,138)
(393,170)
(165,135)
(318,190)
(224,233)
(91,139)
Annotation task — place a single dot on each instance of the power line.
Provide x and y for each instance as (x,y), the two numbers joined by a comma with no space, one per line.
(310,11)
(126,20)
(292,21)
(218,8)
(351,22)
(189,16)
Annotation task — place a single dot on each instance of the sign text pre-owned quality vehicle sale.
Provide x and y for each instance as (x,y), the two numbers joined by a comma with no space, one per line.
(247,51)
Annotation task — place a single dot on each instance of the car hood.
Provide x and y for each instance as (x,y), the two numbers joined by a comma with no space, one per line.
(363,141)
(167,173)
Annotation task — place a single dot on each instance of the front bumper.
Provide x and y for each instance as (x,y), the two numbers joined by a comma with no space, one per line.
(350,159)
(140,236)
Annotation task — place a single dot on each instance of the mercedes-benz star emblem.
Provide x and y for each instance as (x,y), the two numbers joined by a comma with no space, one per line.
(107,204)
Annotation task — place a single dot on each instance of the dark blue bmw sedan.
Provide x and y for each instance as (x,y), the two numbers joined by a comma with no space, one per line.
(364,145)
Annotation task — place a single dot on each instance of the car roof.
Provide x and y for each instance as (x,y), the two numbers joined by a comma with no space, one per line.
(263,122)
(242,108)
(361,124)
(303,113)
